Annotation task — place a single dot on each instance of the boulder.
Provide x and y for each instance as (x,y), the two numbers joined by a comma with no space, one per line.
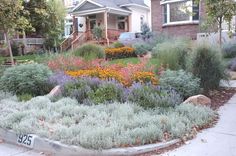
(56,91)
(198,100)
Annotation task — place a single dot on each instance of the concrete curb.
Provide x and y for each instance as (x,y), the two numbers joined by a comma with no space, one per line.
(59,149)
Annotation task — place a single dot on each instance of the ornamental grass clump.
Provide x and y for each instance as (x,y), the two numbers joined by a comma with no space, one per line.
(207,65)
(229,50)
(90,51)
(26,79)
(172,53)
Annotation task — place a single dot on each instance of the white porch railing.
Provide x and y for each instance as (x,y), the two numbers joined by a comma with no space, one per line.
(213,38)
(30,41)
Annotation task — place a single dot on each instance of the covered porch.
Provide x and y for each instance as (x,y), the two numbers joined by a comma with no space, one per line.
(112,24)
(112,21)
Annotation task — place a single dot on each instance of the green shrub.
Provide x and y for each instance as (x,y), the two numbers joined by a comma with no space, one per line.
(148,96)
(25,97)
(78,90)
(229,50)
(146,31)
(117,45)
(107,92)
(90,51)
(172,53)
(183,82)
(26,78)
(207,65)
(142,48)
(97,32)
(15,49)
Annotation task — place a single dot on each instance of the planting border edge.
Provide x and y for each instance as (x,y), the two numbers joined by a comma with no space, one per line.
(59,149)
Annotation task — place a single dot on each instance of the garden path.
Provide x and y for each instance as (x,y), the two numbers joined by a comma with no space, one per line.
(217,141)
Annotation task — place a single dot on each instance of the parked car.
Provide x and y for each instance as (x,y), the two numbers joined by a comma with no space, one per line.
(129,37)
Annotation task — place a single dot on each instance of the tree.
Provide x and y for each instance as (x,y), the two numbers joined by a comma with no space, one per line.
(97,33)
(47,17)
(218,11)
(37,16)
(146,31)
(11,19)
(55,23)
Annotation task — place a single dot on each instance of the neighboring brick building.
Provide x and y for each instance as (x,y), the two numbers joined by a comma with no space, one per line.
(177,17)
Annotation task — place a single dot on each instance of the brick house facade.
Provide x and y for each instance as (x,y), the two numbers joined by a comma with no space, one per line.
(165,20)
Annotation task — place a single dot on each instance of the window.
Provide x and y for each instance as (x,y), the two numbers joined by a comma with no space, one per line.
(2,36)
(141,21)
(121,22)
(175,12)
(75,2)
(121,17)
(121,25)
(68,30)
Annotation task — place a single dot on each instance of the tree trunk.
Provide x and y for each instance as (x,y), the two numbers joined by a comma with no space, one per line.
(220,32)
(24,42)
(9,48)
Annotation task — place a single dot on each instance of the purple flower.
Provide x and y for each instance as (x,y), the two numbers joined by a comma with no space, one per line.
(60,78)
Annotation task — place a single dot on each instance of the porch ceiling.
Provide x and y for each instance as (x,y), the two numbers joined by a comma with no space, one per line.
(101,10)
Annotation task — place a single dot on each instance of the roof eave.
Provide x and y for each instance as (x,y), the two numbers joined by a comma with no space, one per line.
(137,5)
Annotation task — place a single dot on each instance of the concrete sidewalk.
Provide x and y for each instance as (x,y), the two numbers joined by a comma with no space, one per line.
(12,150)
(217,141)
(230,83)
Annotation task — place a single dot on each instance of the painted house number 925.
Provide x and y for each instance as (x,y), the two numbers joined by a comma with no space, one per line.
(26,140)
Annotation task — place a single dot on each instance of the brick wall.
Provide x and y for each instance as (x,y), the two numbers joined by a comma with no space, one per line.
(188,30)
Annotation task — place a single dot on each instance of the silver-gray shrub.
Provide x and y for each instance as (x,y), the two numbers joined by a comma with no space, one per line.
(26,79)
(149,96)
(100,126)
(183,82)
(5,95)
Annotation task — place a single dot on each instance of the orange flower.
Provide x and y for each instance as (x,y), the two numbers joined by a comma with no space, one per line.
(119,52)
(108,74)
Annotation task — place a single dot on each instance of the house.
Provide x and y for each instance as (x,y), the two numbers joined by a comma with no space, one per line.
(172,17)
(69,5)
(114,16)
(179,17)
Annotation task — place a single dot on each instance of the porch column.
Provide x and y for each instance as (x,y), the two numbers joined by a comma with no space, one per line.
(106,27)
(129,23)
(75,27)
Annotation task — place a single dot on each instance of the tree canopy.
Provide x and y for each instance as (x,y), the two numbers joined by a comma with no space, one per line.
(11,18)
(47,17)
(219,11)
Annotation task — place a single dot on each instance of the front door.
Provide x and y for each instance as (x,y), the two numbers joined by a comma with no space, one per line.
(92,23)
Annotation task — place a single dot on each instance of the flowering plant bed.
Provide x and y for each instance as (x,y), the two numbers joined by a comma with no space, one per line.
(122,52)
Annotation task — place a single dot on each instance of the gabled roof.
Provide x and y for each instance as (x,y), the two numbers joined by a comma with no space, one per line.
(121,5)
